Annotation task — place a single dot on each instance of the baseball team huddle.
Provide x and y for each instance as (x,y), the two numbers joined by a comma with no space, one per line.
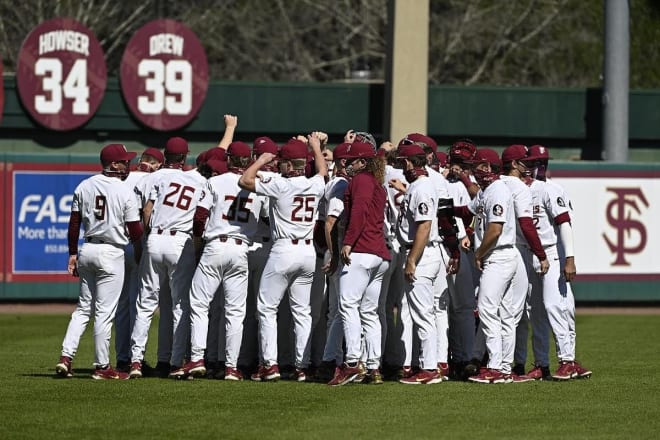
(351,264)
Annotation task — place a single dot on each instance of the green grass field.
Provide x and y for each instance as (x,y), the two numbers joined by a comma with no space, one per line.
(621,400)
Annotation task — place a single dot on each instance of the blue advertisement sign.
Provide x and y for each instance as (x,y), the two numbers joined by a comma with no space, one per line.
(41,210)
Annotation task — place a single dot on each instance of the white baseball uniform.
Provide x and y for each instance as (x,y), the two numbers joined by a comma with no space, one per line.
(105,207)
(169,258)
(292,212)
(233,217)
(495,204)
(419,205)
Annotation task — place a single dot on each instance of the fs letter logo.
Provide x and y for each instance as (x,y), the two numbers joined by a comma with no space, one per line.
(619,215)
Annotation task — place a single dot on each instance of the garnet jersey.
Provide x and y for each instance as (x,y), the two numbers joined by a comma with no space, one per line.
(293,204)
(175,194)
(233,211)
(494,204)
(419,204)
(105,206)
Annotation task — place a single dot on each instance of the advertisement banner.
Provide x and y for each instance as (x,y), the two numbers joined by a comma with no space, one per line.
(614,224)
(40,199)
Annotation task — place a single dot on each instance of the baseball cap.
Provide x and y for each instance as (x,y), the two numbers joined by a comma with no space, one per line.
(407,150)
(442,158)
(216,153)
(419,138)
(538,152)
(264,144)
(514,152)
(294,149)
(155,153)
(486,155)
(359,150)
(239,149)
(116,153)
(217,166)
(462,150)
(201,158)
(176,145)
(340,151)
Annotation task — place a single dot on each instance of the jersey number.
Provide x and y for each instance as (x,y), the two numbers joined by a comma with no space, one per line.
(99,207)
(239,209)
(169,84)
(74,87)
(303,210)
(180,196)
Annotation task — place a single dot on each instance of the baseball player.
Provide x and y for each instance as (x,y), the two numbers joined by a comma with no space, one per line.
(150,161)
(293,200)
(170,257)
(365,259)
(497,258)
(232,214)
(418,230)
(105,209)
(552,304)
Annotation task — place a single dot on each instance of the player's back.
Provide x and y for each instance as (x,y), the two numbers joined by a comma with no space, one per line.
(175,194)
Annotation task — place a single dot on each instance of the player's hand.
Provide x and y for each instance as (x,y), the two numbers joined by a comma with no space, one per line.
(397,185)
(569,269)
(231,121)
(349,136)
(478,261)
(453,264)
(73,265)
(331,266)
(314,141)
(301,138)
(346,254)
(266,158)
(323,137)
(545,266)
(409,270)
(387,146)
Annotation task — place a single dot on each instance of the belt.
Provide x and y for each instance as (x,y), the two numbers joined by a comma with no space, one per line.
(429,244)
(225,238)
(505,246)
(160,231)
(95,240)
(297,241)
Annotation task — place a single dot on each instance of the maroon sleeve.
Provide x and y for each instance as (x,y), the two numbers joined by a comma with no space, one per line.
(562,218)
(464,213)
(74,231)
(359,192)
(135,231)
(532,237)
(199,221)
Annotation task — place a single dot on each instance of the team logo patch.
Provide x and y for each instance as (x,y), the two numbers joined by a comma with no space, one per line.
(266,179)
(423,208)
(561,202)
(202,195)
(498,210)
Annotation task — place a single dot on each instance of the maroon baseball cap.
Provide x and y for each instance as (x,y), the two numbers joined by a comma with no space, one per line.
(294,149)
(340,151)
(407,150)
(538,152)
(155,153)
(486,155)
(216,153)
(442,158)
(514,152)
(359,150)
(217,166)
(419,138)
(264,144)
(462,150)
(116,153)
(176,145)
(239,149)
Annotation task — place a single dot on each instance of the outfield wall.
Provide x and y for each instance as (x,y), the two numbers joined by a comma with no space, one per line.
(616,208)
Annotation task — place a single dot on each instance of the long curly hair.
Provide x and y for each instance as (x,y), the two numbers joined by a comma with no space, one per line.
(376,166)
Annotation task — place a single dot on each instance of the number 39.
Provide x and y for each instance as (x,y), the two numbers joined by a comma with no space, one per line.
(162,81)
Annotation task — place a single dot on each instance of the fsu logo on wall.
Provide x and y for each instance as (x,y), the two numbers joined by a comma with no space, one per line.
(164,75)
(61,74)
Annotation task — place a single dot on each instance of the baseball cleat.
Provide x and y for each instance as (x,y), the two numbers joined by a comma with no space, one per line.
(63,367)
(300,375)
(109,373)
(540,373)
(426,377)
(565,371)
(136,370)
(582,373)
(490,375)
(190,370)
(345,374)
(266,374)
(374,377)
(443,369)
(233,374)
(515,378)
